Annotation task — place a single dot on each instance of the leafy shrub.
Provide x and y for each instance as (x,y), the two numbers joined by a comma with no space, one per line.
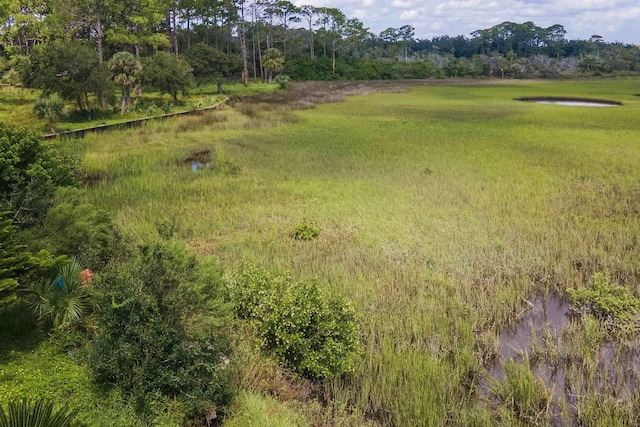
(306,230)
(307,328)
(167,107)
(79,229)
(159,332)
(39,413)
(51,109)
(14,260)
(151,109)
(613,304)
(30,171)
(283,81)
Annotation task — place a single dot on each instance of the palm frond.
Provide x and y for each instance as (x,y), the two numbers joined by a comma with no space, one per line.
(39,413)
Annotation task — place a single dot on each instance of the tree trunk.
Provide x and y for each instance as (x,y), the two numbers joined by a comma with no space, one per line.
(253,55)
(174,29)
(260,58)
(99,40)
(333,55)
(243,48)
(138,88)
(311,40)
(123,100)
(189,31)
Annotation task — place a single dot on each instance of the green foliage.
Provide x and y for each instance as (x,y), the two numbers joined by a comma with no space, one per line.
(208,62)
(77,228)
(64,301)
(283,81)
(307,328)
(306,230)
(613,304)
(168,73)
(50,108)
(14,260)
(63,68)
(126,70)
(30,171)
(272,60)
(159,332)
(522,395)
(39,413)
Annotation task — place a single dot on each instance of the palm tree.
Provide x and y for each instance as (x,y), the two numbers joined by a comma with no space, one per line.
(125,68)
(272,60)
(64,301)
(50,108)
(38,414)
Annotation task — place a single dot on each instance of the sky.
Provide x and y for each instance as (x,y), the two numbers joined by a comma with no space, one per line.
(614,20)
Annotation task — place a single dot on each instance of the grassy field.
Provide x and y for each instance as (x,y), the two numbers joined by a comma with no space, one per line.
(443,207)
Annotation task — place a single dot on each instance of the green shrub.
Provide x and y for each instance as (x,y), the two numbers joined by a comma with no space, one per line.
(612,304)
(307,328)
(65,300)
(283,81)
(77,228)
(30,171)
(159,332)
(14,260)
(51,109)
(306,230)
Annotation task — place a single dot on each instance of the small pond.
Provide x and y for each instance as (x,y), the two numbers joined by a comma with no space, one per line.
(547,313)
(616,370)
(571,102)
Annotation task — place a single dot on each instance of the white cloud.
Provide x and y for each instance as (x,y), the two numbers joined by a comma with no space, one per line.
(401,4)
(613,19)
(408,15)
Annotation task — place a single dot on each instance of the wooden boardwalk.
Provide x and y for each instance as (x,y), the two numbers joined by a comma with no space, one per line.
(80,133)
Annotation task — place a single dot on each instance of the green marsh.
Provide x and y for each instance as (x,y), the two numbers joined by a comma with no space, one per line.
(443,209)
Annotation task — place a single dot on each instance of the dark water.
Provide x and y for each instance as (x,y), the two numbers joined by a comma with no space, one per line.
(617,365)
(546,314)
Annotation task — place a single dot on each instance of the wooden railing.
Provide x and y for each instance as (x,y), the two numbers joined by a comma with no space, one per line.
(80,133)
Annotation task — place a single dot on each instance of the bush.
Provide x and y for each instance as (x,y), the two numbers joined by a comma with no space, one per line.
(307,328)
(159,335)
(30,171)
(306,230)
(51,109)
(77,228)
(613,304)
(65,300)
(14,260)
(283,81)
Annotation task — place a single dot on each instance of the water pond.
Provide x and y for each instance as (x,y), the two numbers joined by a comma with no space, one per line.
(616,370)
(571,102)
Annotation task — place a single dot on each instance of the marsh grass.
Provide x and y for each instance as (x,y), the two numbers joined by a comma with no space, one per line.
(522,396)
(522,199)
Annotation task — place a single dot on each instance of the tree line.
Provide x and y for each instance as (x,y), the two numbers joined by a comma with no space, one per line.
(74,40)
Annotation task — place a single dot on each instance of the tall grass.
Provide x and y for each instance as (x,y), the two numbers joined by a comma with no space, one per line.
(441,209)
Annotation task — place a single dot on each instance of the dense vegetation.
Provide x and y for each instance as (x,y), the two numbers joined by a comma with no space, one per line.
(81,50)
(347,264)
